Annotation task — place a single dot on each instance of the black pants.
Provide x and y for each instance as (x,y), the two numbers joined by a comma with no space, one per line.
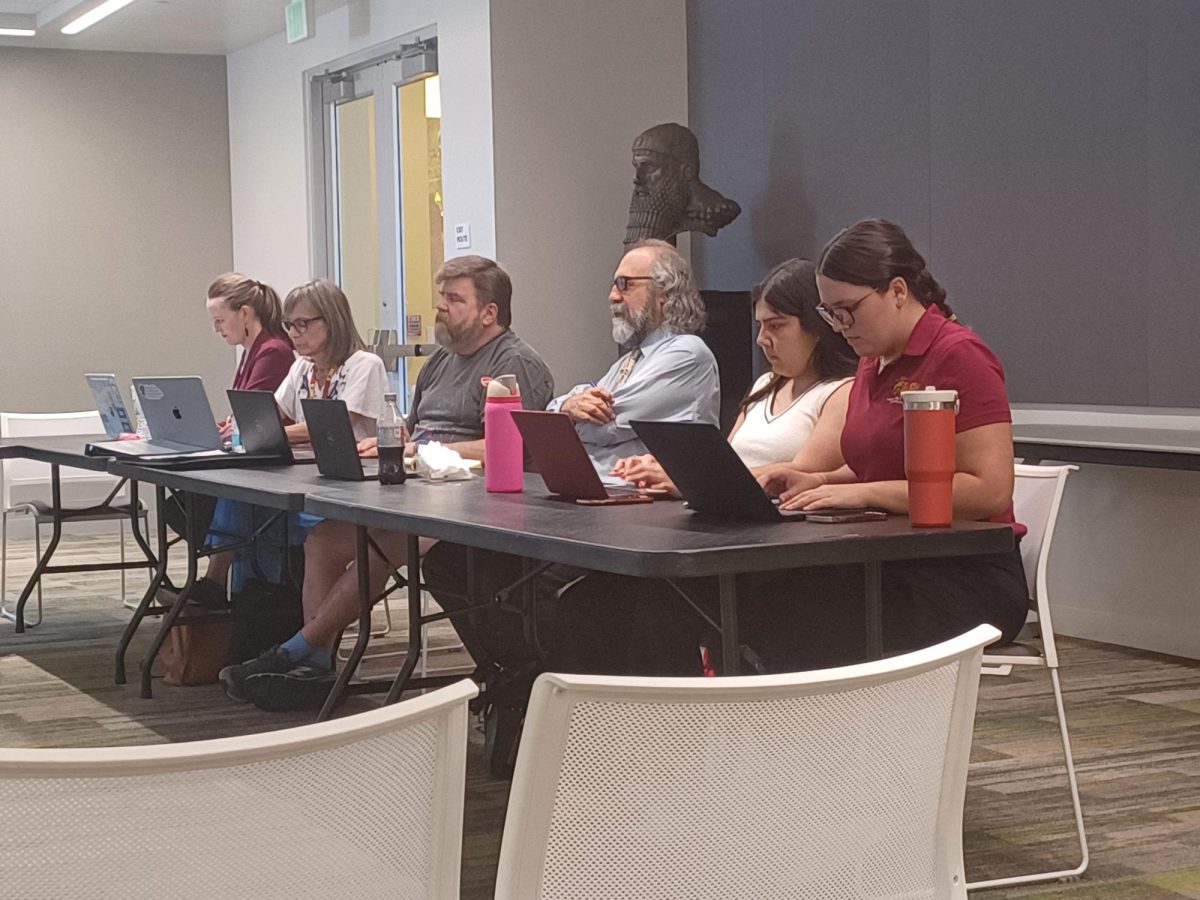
(493,636)
(794,620)
(615,625)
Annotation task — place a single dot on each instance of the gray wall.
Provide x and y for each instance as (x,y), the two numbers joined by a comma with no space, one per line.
(114,218)
(573,82)
(1044,156)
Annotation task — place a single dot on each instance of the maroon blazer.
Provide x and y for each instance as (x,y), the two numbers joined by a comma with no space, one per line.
(265,364)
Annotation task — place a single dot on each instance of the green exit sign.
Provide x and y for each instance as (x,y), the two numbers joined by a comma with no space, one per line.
(299,18)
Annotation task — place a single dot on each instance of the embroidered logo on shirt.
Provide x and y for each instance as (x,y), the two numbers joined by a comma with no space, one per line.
(901,385)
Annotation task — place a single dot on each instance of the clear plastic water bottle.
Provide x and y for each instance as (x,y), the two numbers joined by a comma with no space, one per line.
(235,435)
(143,430)
(390,431)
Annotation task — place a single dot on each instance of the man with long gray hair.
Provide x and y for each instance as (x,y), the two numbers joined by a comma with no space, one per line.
(668,373)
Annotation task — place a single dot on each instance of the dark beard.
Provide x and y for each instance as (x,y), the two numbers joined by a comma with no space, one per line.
(656,215)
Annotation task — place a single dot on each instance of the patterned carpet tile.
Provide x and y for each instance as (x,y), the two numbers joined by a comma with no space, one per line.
(1134,719)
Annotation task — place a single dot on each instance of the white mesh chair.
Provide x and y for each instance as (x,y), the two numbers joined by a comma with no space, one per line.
(843,783)
(1037,495)
(24,484)
(289,814)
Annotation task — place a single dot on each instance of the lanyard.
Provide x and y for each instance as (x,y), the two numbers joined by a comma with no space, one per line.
(312,384)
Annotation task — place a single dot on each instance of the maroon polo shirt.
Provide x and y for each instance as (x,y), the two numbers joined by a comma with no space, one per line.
(265,364)
(941,354)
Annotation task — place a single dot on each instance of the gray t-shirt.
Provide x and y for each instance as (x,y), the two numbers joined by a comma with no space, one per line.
(448,403)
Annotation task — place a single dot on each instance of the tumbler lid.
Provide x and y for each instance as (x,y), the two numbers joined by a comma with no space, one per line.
(930,398)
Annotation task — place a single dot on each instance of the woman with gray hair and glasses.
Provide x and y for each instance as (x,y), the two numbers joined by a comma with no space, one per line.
(333,365)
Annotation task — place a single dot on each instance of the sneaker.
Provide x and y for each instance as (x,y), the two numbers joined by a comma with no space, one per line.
(299,688)
(234,677)
(206,594)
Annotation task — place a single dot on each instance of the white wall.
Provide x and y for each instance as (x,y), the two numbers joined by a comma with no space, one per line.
(573,82)
(114,219)
(267,135)
(1125,564)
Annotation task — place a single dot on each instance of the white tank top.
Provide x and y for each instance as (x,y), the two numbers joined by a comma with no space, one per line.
(765,438)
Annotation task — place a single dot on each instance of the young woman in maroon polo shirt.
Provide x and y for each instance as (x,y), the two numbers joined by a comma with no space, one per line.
(877,293)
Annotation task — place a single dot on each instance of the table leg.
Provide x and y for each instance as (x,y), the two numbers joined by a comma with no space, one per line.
(362,563)
(874,600)
(181,600)
(414,621)
(44,562)
(133,519)
(160,575)
(730,651)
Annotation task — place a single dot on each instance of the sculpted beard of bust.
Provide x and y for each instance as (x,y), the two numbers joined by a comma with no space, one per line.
(668,195)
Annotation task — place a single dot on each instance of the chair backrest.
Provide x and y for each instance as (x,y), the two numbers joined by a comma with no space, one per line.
(843,783)
(367,806)
(26,479)
(1037,496)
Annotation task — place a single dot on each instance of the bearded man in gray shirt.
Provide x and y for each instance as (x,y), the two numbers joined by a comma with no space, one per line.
(473,322)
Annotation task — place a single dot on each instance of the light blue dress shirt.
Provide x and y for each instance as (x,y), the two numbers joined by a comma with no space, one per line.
(676,380)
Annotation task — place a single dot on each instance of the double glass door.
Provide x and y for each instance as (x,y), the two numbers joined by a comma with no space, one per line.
(379,167)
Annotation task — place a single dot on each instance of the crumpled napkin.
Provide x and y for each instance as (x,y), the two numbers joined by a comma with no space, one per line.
(438,462)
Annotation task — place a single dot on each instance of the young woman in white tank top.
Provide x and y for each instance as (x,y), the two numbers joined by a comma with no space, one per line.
(797,408)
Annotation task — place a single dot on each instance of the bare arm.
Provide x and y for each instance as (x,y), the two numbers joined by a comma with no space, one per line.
(819,459)
(737,424)
(983,482)
(822,452)
(468,449)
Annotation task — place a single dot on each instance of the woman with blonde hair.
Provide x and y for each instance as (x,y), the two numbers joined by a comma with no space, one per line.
(245,313)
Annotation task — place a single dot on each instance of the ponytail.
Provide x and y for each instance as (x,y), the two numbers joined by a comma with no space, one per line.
(238,291)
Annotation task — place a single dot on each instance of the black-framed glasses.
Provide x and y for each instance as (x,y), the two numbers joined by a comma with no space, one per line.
(841,316)
(301,325)
(622,282)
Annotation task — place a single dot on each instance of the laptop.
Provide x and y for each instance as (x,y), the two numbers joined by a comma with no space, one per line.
(334,443)
(260,426)
(110,404)
(179,419)
(708,472)
(563,462)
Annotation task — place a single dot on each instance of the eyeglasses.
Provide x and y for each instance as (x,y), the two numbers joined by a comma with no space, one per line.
(300,325)
(622,282)
(841,315)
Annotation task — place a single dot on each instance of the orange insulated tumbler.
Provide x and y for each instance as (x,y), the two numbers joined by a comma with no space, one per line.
(929,460)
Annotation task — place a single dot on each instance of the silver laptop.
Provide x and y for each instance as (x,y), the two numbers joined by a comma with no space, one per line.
(110,404)
(178,416)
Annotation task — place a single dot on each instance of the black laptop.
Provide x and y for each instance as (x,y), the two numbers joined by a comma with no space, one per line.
(709,473)
(260,426)
(334,443)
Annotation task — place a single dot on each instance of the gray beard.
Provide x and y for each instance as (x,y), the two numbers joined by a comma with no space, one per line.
(631,328)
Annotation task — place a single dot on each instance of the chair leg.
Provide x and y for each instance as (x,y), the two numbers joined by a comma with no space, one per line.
(121,533)
(5,612)
(1069,760)
(3,561)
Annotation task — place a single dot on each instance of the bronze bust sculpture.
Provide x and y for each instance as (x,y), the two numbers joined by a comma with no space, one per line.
(668,195)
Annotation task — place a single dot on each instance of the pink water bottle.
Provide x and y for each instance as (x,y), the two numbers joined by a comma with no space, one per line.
(929,455)
(503,449)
